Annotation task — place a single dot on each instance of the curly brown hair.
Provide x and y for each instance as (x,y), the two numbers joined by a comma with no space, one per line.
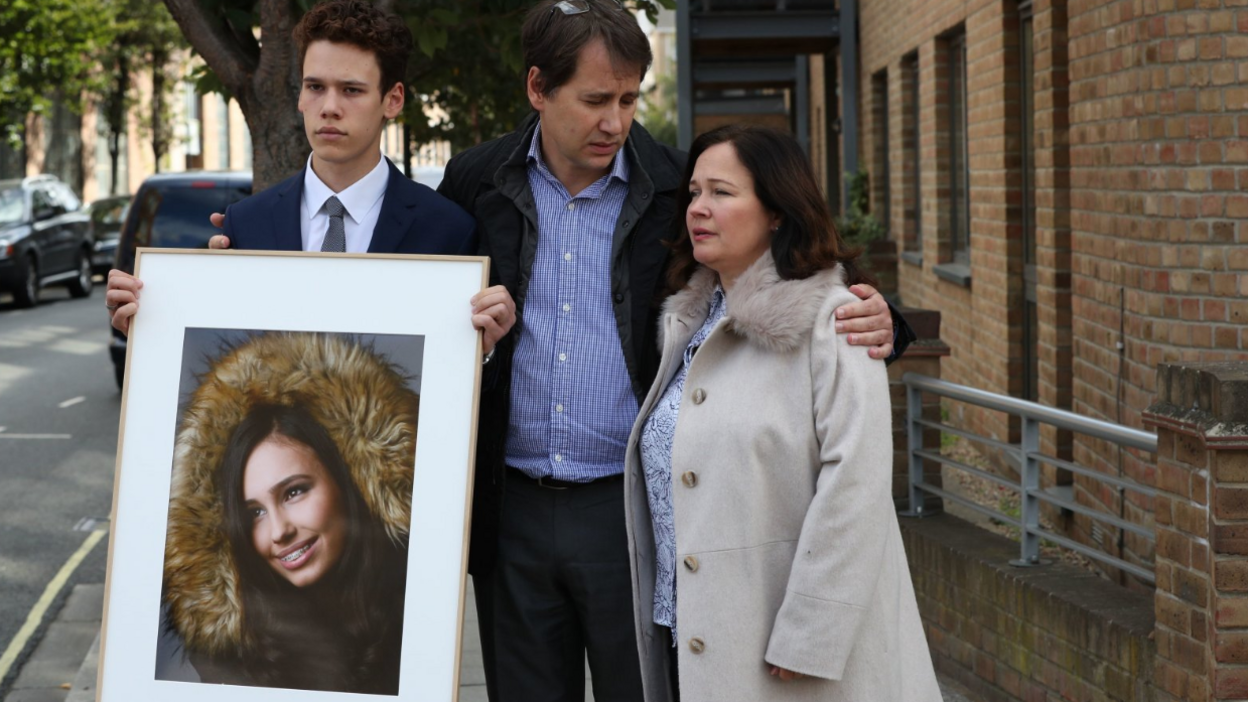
(360,24)
(806,240)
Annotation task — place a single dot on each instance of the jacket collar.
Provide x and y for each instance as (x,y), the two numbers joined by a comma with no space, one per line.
(398,212)
(769,311)
(396,216)
(287,231)
(643,152)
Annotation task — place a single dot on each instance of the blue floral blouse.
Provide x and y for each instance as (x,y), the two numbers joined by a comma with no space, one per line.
(656,461)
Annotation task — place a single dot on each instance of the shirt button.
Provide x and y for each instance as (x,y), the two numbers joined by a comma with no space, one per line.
(699,396)
(567,256)
(571,206)
(559,408)
(690,479)
(563,357)
(558,458)
(691,563)
(619,298)
(567,307)
(697,645)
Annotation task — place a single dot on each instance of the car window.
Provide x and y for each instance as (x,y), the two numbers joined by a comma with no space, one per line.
(12,206)
(66,197)
(108,213)
(41,199)
(177,217)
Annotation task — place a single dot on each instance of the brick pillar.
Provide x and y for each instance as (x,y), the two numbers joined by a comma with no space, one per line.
(1201,521)
(923,356)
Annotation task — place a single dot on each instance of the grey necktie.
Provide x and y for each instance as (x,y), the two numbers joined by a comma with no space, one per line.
(336,238)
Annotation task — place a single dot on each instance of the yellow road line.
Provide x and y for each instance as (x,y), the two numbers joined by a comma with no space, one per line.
(41,607)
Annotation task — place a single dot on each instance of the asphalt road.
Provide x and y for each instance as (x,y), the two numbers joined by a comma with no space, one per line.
(59,409)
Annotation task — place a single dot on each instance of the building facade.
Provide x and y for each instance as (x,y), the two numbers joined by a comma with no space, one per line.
(1067,182)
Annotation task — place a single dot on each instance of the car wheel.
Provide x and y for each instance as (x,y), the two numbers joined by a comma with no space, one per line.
(81,285)
(26,294)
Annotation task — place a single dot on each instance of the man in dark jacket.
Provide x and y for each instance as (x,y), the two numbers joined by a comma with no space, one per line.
(572,209)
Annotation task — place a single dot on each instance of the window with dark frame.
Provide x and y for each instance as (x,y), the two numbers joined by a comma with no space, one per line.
(882,207)
(1027,125)
(960,205)
(910,149)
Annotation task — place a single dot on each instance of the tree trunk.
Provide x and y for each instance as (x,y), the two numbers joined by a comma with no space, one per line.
(159,144)
(279,146)
(265,82)
(117,118)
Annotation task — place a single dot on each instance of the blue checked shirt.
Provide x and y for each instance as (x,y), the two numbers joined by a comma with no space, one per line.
(572,403)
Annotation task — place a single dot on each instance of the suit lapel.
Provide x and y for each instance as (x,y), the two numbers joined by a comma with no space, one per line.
(287,225)
(398,213)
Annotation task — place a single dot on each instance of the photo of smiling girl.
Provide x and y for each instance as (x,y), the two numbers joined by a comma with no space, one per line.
(286,556)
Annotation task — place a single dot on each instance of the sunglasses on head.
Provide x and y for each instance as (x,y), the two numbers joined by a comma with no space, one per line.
(576,7)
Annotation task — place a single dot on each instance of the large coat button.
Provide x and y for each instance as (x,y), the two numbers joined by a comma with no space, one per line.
(689,478)
(691,563)
(699,396)
(697,645)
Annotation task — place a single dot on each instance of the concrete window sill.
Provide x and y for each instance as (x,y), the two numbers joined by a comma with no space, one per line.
(956,273)
(914,258)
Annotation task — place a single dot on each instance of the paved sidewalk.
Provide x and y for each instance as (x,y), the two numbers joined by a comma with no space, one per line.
(63,667)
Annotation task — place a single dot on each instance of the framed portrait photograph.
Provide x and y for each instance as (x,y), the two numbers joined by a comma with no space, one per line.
(294,478)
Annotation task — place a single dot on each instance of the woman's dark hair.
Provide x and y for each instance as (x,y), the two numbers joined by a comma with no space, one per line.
(552,40)
(352,608)
(806,242)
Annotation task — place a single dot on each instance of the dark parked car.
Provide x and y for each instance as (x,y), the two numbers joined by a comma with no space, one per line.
(107,215)
(45,239)
(171,211)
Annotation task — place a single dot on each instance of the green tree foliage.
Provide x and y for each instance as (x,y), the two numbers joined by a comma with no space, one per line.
(467,72)
(658,112)
(146,42)
(467,69)
(858,227)
(47,47)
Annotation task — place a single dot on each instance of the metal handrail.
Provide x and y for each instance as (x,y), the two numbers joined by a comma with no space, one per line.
(1029,457)
(1116,433)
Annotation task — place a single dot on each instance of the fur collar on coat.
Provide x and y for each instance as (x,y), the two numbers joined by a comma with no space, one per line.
(771,312)
(355,394)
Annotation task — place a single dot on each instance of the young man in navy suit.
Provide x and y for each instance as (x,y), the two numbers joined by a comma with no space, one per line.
(349,197)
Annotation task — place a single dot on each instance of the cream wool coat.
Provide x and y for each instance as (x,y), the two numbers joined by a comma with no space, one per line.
(788,548)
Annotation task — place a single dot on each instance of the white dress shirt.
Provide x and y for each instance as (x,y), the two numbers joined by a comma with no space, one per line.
(362,201)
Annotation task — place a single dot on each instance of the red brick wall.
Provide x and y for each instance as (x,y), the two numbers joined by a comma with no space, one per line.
(1156,136)
(1141,153)
(1010,634)
(1052,199)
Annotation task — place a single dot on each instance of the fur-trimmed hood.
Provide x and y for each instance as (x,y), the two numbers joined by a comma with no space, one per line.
(771,312)
(360,399)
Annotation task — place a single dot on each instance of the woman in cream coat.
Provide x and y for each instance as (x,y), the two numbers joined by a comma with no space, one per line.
(762,531)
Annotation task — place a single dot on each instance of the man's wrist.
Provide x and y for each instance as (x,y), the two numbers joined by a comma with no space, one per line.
(489,356)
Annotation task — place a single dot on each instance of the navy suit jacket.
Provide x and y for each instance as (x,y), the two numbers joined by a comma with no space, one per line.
(413,220)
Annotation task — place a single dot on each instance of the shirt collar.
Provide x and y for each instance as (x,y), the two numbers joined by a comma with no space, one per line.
(357,199)
(718,297)
(620,169)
